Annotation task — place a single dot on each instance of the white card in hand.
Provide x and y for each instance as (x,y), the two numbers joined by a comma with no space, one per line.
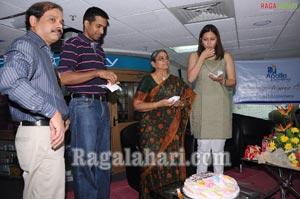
(173,99)
(112,87)
(217,74)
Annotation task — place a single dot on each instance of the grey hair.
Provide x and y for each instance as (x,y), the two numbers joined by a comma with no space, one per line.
(155,54)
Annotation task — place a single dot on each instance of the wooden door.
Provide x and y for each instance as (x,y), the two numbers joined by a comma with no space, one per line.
(121,108)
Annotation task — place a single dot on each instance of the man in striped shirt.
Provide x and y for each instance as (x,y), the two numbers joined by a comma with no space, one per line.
(36,101)
(83,72)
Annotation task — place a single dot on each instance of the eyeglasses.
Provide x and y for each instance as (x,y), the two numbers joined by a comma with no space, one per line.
(156,52)
(162,59)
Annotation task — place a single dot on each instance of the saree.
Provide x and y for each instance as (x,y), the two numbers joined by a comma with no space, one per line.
(162,133)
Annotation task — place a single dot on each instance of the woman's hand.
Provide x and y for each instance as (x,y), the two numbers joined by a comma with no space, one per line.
(179,103)
(166,102)
(219,79)
(207,53)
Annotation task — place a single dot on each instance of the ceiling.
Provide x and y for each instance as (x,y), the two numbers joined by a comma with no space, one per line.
(141,26)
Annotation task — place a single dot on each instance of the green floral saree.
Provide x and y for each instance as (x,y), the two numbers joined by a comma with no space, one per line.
(162,133)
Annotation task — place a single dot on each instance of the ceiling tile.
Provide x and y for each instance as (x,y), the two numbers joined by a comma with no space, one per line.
(174,41)
(249,33)
(148,21)
(224,26)
(10,35)
(73,13)
(118,28)
(251,8)
(120,8)
(254,42)
(167,32)
(142,26)
(176,3)
(8,10)
(276,20)
(24,5)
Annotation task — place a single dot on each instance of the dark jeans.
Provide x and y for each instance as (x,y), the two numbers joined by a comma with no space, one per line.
(90,141)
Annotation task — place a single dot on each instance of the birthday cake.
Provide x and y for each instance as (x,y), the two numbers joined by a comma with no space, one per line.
(211,185)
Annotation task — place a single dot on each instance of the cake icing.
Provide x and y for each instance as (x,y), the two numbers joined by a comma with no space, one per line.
(211,185)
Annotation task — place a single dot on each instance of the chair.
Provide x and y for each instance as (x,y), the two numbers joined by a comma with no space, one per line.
(130,141)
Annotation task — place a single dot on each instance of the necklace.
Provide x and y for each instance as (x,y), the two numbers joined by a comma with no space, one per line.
(161,77)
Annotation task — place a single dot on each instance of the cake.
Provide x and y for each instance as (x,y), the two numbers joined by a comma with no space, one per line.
(211,185)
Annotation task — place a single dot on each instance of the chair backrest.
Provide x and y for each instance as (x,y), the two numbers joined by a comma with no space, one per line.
(130,136)
(130,141)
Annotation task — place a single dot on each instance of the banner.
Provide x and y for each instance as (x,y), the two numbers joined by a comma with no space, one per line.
(268,81)
(117,61)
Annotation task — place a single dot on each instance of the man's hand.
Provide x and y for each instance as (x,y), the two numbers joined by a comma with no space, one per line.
(58,130)
(67,124)
(111,77)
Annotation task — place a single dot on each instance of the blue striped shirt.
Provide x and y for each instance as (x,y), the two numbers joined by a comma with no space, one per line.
(79,55)
(29,80)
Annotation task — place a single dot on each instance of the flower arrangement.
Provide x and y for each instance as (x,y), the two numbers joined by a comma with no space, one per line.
(287,136)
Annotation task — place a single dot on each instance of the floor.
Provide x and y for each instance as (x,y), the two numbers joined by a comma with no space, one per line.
(253,174)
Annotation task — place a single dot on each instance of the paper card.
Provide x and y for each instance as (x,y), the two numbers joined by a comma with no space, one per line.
(112,87)
(217,74)
(174,98)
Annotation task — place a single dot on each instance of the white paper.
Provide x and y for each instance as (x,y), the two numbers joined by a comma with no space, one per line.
(173,99)
(112,87)
(217,74)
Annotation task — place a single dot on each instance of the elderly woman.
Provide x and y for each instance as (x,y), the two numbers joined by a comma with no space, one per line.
(163,124)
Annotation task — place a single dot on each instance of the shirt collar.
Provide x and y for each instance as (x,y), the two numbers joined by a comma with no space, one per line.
(37,39)
(84,38)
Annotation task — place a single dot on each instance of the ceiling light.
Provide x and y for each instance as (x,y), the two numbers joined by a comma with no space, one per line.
(262,23)
(185,49)
(202,7)
(208,11)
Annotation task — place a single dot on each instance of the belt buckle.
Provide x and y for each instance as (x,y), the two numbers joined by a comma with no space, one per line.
(39,123)
(103,98)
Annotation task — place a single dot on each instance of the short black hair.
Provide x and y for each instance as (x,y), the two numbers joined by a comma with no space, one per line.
(38,10)
(92,12)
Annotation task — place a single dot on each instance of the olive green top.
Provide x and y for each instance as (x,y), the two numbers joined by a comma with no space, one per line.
(211,116)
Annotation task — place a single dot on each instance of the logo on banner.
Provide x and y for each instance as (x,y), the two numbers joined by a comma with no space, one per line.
(110,63)
(276,76)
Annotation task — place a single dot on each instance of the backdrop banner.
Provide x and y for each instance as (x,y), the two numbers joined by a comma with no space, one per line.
(268,81)
(116,62)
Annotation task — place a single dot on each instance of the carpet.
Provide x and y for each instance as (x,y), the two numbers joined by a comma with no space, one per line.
(118,190)
(253,174)
(261,180)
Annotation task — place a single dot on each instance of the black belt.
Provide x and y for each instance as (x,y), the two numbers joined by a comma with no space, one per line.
(93,96)
(36,123)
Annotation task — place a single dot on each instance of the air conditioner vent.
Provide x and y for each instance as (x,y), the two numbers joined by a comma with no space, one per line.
(205,11)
